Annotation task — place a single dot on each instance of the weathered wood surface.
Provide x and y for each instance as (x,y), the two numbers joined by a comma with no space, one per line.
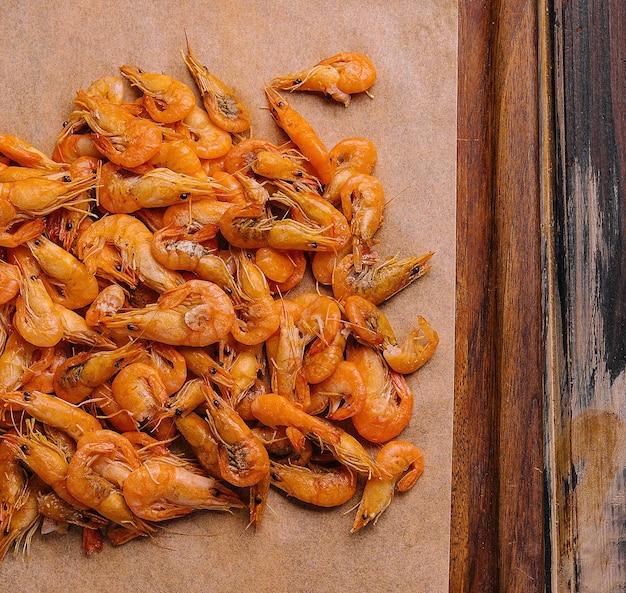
(586,301)
(497,511)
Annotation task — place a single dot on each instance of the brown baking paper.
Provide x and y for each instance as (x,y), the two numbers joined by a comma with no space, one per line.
(52,49)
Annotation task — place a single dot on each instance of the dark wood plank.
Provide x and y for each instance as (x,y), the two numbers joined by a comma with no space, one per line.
(585,418)
(497,510)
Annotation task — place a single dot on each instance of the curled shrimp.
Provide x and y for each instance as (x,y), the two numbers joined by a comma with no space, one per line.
(284,269)
(338,77)
(323,487)
(108,302)
(209,141)
(123,138)
(179,155)
(158,491)
(257,318)
(343,393)
(13,483)
(80,374)
(68,281)
(415,351)
(402,464)
(368,323)
(242,458)
(389,401)
(25,154)
(195,214)
(132,239)
(197,433)
(54,411)
(10,280)
(22,234)
(197,313)
(301,133)
(166,99)
(377,282)
(178,249)
(363,203)
(224,109)
(95,454)
(321,357)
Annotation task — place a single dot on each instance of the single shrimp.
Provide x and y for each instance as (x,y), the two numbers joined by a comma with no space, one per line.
(13,483)
(377,282)
(197,313)
(197,433)
(158,491)
(126,140)
(71,146)
(132,239)
(242,458)
(209,141)
(257,318)
(26,155)
(110,412)
(178,249)
(301,133)
(77,331)
(25,232)
(202,364)
(108,302)
(242,155)
(39,377)
(169,363)
(388,406)
(363,204)
(402,464)
(275,410)
(321,486)
(166,99)
(68,281)
(284,269)
(10,280)
(416,350)
(356,155)
(224,109)
(343,393)
(178,155)
(121,193)
(258,500)
(54,411)
(79,375)
(53,507)
(323,263)
(321,357)
(87,484)
(38,196)
(320,316)
(272,165)
(368,323)
(338,77)
(195,214)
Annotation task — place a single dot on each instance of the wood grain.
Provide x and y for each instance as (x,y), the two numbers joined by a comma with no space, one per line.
(497,508)
(586,301)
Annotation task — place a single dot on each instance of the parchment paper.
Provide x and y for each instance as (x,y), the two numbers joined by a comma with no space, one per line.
(52,49)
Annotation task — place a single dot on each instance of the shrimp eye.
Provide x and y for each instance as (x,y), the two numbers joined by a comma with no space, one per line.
(227,351)
(213,371)
(139,71)
(33,277)
(178,412)
(65,124)
(275,477)
(27,396)
(314,245)
(299,173)
(279,104)
(220,363)
(249,255)
(24,448)
(297,81)
(184,196)
(69,226)
(67,178)
(258,499)
(216,492)
(37,241)
(131,327)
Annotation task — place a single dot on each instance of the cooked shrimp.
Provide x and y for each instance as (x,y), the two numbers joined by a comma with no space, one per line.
(121,193)
(368,323)
(323,263)
(275,410)
(124,139)
(25,232)
(377,282)
(323,487)
(77,331)
(363,203)
(284,269)
(26,155)
(197,433)
(356,155)
(166,99)
(10,280)
(338,77)
(13,483)
(79,375)
(197,313)
(402,464)
(38,196)
(388,405)
(223,107)
(158,491)
(201,364)
(54,411)
(71,146)
(53,507)
(415,351)
(87,484)
(179,155)
(321,357)
(209,141)
(132,238)
(257,318)
(301,133)
(68,281)
(343,393)
(320,316)
(110,411)
(195,214)
(108,302)
(169,363)
(243,459)
(178,249)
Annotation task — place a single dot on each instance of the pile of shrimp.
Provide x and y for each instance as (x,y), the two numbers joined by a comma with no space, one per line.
(158,352)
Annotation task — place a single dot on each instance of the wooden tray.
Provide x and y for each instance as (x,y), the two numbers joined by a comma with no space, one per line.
(538,471)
